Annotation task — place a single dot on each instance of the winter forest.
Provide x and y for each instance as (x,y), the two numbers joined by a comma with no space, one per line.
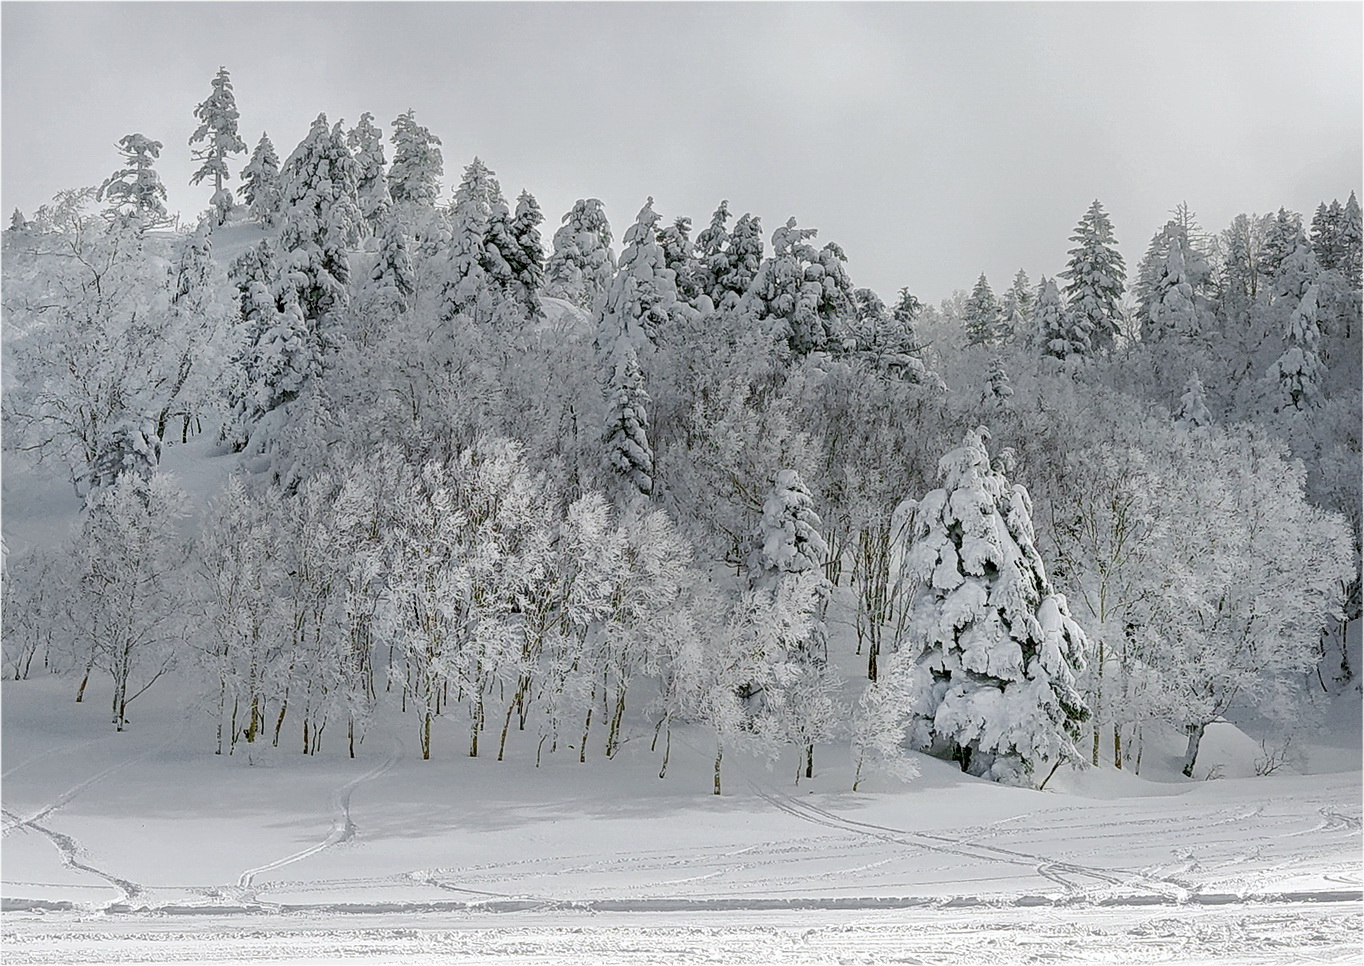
(539,485)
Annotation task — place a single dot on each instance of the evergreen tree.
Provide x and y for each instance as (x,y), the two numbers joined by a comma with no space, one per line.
(135,192)
(982,315)
(260,183)
(527,255)
(476,269)
(281,352)
(738,266)
(581,266)
(1193,405)
(1325,234)
(628,452)
(998,391)
(679,256)
(1280,240)
(1298,373)
(217,131)
(414,176)
(1016,309)
(1094,287)
(1168,292)
(389,289)
(992,672)
(1351,244)
(641,303)
(802,292)
(711,258)
(129,449)
(17,222)
(321,220)
(366,143)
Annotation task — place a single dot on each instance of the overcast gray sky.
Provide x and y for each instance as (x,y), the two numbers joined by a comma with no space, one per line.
(932,141)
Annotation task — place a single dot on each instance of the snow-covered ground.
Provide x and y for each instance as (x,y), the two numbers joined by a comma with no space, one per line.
(143,846)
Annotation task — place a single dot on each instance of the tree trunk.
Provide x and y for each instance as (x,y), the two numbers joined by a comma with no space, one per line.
(719,754)
(810,760)
(1117,745)
(279,722)
(1191,754)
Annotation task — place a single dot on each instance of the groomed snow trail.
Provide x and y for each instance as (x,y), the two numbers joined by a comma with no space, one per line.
(342,830)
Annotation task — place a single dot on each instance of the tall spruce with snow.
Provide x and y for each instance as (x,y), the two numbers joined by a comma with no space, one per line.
(786,567)
(1016,309)
(260,183)
(982,315)
(679,256)
(802,293)
(388,290)
(1297,375)
(581,265)
(414,176)
(740,262)
(321,220)
(1193,405)
(526,257)
(366,143)
(1057,336)
(628,452)
(642,302)
(992,671)
(1094,281)
(135,192)
(281,352)
(1351,243)
(1166,289)
(711,259)
(1280,239)
(217,132)
(1325,234)
(998,391)
(476,267)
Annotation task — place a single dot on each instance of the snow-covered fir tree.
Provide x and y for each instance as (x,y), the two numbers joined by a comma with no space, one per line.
(1297,375)
(1057,334)
(1351,242)
(414,176)
(628,452)
(1193,405)
(476,269)
(1166,290)
(17,221)
(388,290)
(1280,239)
(129,450)
(998,391)
(1325,234)
(526,257)
(1016,309)
(320,219)
(581,264)
(982,315)
(260,183)
(992,666)
(281,353)
(366,143)
(738,266)
(679,256)
(135,192)
(803,294)
(217,132)
(711,261)
(641,303)
(1094,282)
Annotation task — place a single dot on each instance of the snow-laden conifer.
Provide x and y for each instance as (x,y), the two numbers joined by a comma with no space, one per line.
(626,433)
(526,257)
(476,267)
(217,132)
(260,183)
(321,220)
(1056,333)
(641,303)
(135,192)
(1351,242)
(679,256)
(1297,375)
(803,294)
(1016,309)
(982,315)
(366,143)
(414,176)
(736,268)
(1094,282)
(129,450)
(1193,405)
(997,388)
(994,651)
(711,260)
(581,265)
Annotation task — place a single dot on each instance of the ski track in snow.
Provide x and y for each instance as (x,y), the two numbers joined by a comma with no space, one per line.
(343,828)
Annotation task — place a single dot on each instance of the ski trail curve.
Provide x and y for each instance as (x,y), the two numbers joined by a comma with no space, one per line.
(71,850)
(75,790)
(343,829)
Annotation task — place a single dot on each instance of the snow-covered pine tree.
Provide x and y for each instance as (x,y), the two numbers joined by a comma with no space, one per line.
(711,261)
(679,256)
(581,265)
(801,293)
(135,192)
(1166,294)
(129,450)
(260,183)
(1057,332)
(1193,405)
(475,270)
(740,262)
(982,315)
(280,353)
(997,389)
(1351,242)
(785,568)
(1325,234)
(1298,374)
(1094,286)
(641,303)
(217,132)
(1280,239)
(1016,309)
(626,435)
(320,220)
(414,176)
(389,289)
(527,255)
(17,222)
(366,143)
(992,670)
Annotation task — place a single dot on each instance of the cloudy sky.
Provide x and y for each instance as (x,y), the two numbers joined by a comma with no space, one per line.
(932,141)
